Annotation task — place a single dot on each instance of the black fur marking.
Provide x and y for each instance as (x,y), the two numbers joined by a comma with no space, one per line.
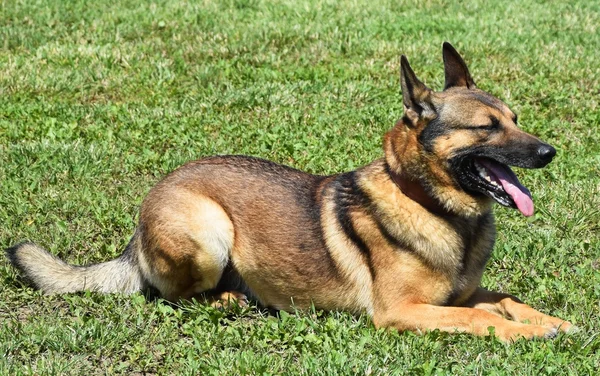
(417,107)
(11,254)
(231,280)
(348,195)
(495,121)
(249,163)
(410,88)
(399,245)
(451,298)
(468,235)
(517,154)
(495,126)
(434,129)
(313,204)
(150,293)
(129,255)
(307,197)
(391,239)
(484,221)
(487,99)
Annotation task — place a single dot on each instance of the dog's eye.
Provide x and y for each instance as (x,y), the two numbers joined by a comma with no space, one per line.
(495,125)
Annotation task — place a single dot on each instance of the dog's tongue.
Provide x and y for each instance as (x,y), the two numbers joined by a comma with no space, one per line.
(520,195)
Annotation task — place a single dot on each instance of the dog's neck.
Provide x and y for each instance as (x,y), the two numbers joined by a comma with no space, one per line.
(416,192)
(396,143)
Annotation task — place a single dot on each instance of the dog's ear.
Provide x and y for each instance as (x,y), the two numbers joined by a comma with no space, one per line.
(415,95)
(455,69)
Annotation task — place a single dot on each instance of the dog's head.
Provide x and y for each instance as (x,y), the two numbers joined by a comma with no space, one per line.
(459,143)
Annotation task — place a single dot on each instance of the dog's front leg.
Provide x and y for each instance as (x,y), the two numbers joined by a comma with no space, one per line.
(426,317)
(514,309)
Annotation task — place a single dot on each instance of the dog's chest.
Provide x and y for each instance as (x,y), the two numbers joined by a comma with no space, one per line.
(478,238)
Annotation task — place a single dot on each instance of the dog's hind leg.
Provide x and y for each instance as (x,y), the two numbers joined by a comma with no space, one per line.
(186,243)
(226,299)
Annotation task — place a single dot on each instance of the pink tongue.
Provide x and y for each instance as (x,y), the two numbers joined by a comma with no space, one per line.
(520,195)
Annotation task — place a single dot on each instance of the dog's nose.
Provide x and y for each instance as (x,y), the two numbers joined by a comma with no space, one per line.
(546,152)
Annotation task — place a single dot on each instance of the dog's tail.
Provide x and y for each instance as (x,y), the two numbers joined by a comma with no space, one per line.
(52,275)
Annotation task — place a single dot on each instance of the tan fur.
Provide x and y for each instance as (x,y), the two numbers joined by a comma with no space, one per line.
(190,233)
(398,239)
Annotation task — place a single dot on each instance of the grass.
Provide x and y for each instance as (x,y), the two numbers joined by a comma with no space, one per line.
(98,100)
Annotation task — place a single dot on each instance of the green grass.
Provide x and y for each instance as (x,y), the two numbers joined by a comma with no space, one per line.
(100,99)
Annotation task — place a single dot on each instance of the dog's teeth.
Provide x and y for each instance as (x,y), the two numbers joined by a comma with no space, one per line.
(483,172)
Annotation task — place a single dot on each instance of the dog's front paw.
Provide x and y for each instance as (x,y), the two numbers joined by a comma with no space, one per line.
(526,331)
(559,324)
(565,327)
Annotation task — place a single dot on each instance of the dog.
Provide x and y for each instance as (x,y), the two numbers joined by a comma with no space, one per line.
(404,239)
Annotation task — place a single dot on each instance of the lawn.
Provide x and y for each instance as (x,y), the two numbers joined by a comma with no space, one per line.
(100,99)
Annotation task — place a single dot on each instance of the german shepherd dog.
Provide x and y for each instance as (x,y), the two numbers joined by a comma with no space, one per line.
(404,239)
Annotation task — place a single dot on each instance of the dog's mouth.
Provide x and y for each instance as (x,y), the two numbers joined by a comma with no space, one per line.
(496,180)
